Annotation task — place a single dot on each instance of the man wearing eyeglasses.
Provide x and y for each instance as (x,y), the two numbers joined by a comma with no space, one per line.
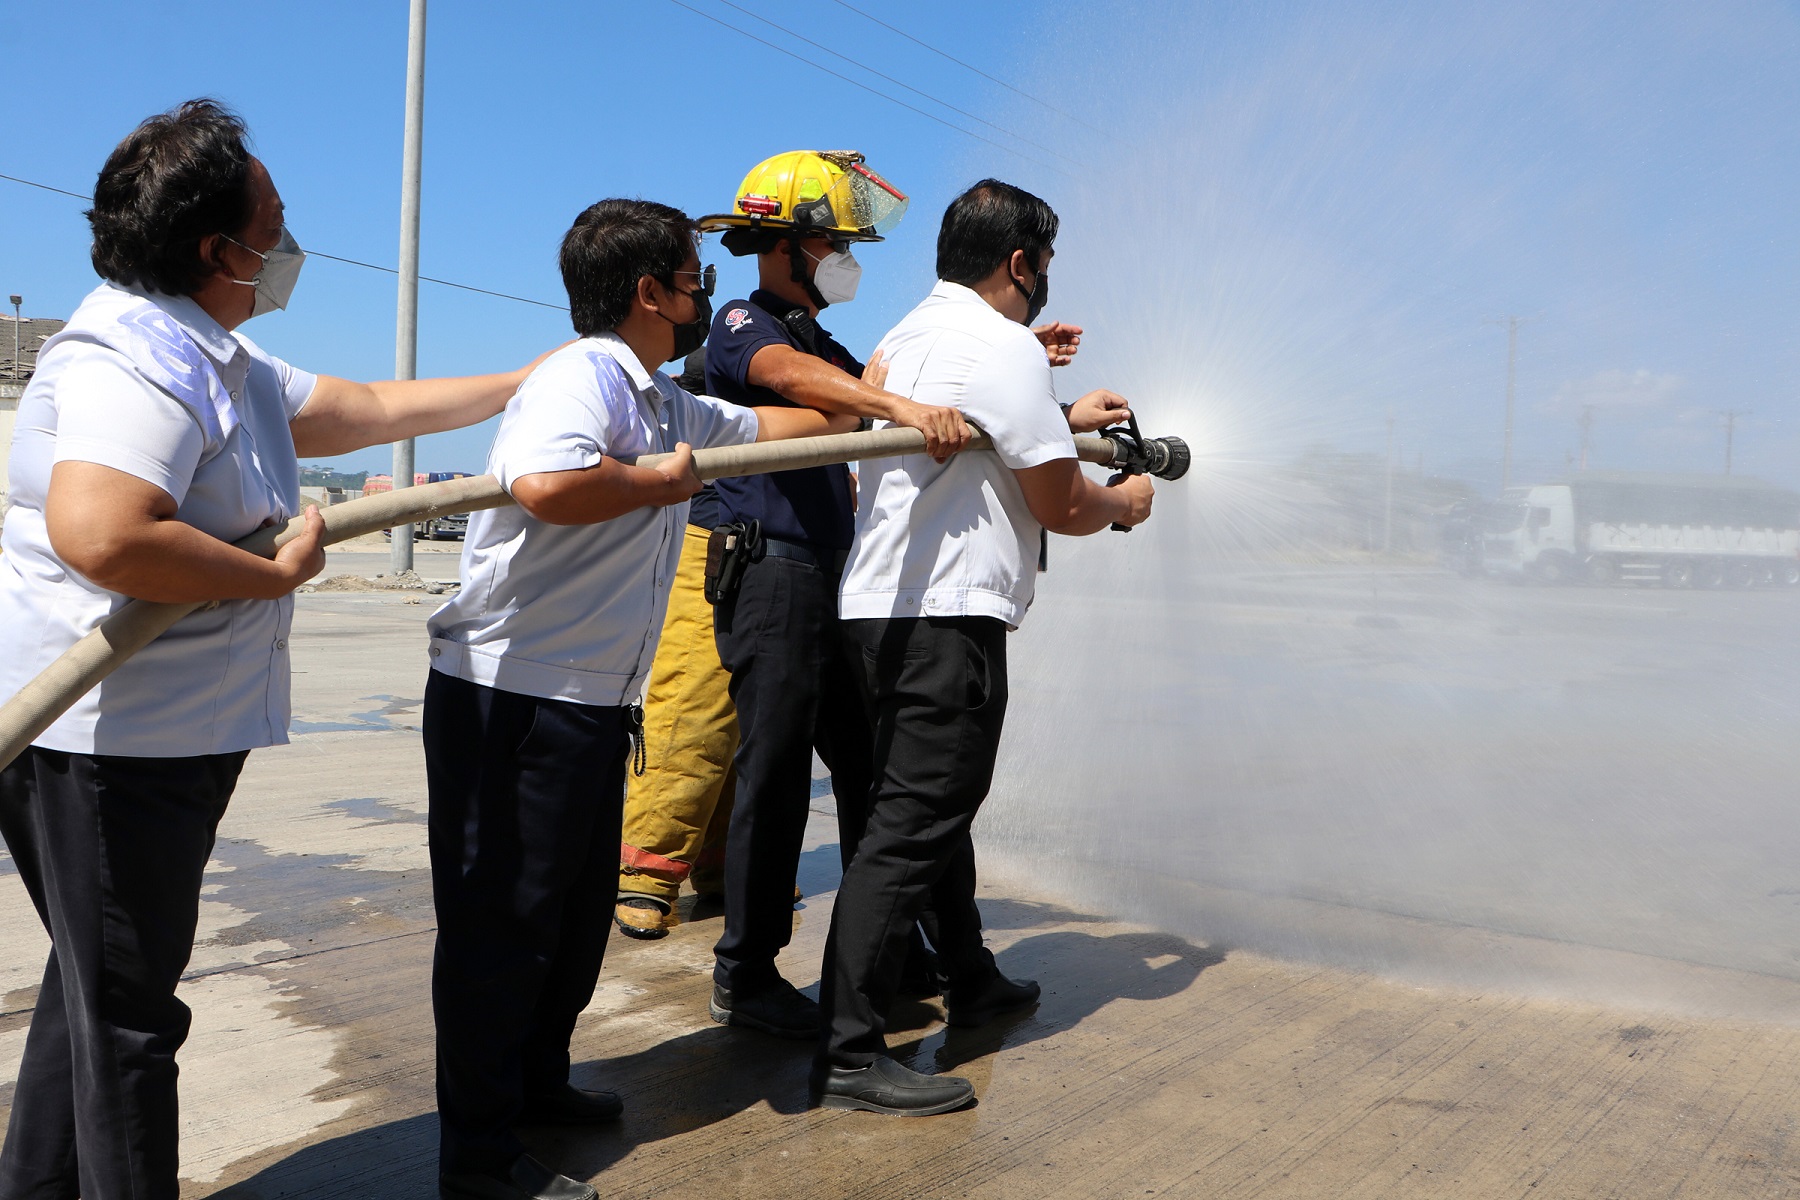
(534,668)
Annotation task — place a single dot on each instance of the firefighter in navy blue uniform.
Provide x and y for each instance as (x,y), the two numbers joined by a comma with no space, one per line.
(798,213)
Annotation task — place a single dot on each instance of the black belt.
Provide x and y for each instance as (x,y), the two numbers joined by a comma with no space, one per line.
(829,561)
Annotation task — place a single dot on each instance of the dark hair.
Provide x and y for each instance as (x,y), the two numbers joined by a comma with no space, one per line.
(611,246)
(742,241)
(693,373)
(176,178)
(984,225)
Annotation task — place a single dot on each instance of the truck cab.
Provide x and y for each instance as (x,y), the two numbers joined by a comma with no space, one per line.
(1531,533)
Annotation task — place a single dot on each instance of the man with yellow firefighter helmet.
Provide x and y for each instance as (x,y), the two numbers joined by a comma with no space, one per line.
(776,669)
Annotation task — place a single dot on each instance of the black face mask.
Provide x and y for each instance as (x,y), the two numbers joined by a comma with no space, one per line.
(1037,297)
(691,335)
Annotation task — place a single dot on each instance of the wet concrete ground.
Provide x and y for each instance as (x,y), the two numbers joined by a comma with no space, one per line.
(1155,1066)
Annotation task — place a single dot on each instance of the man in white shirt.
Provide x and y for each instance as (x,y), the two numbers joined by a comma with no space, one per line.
(529,713)
(943,566)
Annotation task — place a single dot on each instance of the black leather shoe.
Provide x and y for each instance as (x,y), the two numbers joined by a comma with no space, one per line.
(779,1009)
(526,1179)
(572,1106)
(884,1086)
(966,1007)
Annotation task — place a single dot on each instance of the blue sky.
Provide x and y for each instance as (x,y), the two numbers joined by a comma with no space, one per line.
(1282,221)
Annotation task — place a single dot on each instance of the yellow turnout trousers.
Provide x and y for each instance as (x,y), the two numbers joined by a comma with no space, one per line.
(676,813)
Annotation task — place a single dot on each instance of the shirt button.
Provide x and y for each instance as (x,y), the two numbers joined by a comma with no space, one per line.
(281,643)
(234,395)
(909,601)
(436,650)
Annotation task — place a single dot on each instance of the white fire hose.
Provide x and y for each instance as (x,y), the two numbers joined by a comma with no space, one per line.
(81,668)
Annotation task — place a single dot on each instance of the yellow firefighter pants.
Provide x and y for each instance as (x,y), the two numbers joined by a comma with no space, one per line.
(677,812)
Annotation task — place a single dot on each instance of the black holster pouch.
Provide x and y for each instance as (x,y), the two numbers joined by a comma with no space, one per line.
(729,549)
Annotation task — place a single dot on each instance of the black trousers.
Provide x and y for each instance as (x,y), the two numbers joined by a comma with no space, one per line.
(938,687)
(112,851)
(795,692)
(526,801)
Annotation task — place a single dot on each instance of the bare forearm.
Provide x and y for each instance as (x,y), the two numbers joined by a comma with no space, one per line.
(171,562)
(817,384)
(601,492)
(1065,501)
(415,407)
(1091,509)
(353,415)
(777,424)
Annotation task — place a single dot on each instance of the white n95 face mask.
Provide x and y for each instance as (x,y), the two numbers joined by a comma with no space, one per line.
(836,276)
(281,265)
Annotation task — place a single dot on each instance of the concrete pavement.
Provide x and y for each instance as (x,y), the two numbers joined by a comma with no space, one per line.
(1155,1066)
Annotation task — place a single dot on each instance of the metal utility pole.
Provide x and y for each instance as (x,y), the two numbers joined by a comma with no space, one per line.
(1587,432)
(18,324)
(406,321)
(1387,514)
(1731,415)
(1512,363)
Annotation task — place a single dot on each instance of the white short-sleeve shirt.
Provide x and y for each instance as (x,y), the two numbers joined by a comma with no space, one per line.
(957,539)
(572,612)
(218,681)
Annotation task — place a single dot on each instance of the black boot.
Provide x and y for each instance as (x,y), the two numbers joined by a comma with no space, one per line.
(779,1009)
(967,1006)
(570,1105)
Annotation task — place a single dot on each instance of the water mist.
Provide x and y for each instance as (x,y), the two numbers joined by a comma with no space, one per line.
(1273,717)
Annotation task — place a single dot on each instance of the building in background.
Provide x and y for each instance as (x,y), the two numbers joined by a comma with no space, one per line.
(20,341)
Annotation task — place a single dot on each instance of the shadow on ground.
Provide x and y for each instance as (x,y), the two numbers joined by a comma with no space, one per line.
(673,1088)
(713,1075)
(1080,973)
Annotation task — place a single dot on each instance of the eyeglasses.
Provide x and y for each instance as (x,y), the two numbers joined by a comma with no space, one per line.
(707,275)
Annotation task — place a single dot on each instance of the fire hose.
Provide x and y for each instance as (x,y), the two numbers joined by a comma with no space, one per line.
(81,668)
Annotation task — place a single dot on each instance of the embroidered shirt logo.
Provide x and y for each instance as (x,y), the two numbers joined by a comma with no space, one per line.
(737,318)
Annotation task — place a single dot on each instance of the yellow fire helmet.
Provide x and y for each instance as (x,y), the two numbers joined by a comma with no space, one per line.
(827,192)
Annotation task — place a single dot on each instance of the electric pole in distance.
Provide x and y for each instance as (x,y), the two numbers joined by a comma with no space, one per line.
(1587,432)
(1512,364)
(1387,506)
(1731,415)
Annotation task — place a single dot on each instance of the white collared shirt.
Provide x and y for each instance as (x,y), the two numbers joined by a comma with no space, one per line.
(957,539)
(218,681)
(572,612)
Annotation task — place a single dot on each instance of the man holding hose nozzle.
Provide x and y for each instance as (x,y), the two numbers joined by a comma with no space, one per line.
(800,214)
(942,568)
(152,436)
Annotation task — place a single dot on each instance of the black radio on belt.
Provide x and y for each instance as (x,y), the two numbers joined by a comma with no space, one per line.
(729,549)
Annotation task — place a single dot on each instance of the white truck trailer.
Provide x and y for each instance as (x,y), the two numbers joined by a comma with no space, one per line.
(1681,531)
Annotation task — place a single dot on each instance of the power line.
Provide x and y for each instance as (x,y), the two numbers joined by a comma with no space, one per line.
(930,116)
(46,187)
(333,257)
(899,82)
(442,282)
(966,66)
